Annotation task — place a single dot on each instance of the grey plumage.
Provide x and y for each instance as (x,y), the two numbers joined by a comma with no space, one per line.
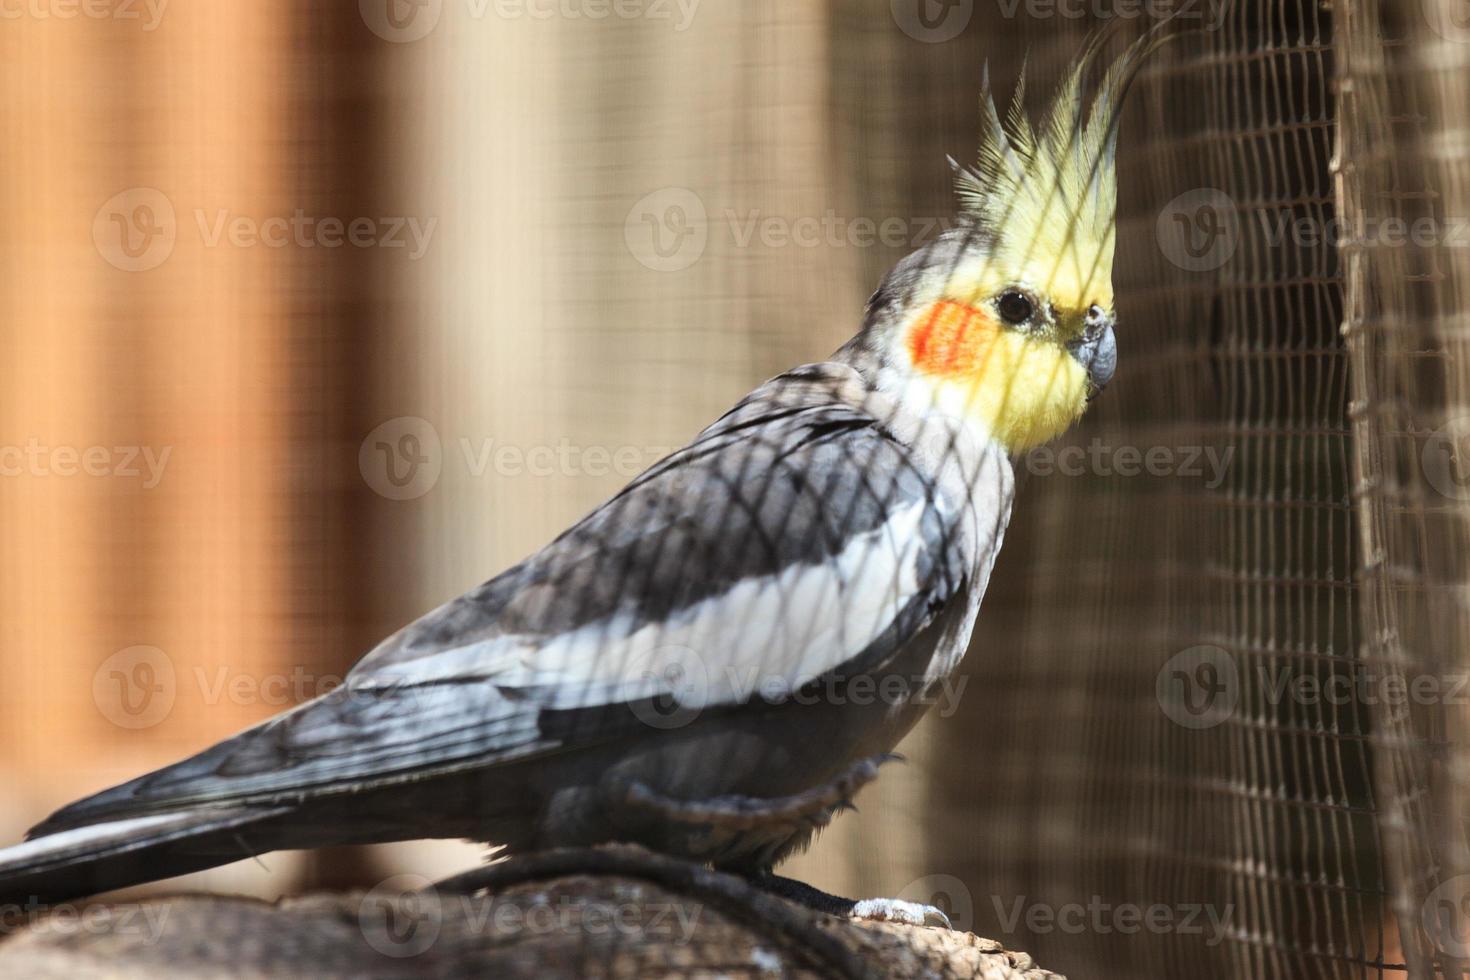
(713,661)
(817,532)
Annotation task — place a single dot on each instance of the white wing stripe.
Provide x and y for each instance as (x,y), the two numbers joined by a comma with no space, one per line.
(781,631)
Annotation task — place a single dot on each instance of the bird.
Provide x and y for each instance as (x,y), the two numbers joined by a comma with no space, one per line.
(714,660)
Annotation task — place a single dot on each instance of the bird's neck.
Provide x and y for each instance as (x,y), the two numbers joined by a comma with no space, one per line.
(912,395)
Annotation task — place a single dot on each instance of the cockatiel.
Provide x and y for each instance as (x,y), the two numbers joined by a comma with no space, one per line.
(712,661)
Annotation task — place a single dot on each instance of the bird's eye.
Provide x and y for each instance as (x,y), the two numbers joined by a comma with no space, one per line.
(1016,307)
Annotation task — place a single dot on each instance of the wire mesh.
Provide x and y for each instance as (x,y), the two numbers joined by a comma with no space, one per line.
(1170,729)
(1211,720)
(1402,177)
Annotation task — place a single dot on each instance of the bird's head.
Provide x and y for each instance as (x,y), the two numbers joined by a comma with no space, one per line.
(1007,319)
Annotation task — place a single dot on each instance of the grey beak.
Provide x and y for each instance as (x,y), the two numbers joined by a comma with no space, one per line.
(1097,350)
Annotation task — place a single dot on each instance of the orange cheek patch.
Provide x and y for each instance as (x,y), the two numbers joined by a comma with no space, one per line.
(951,339)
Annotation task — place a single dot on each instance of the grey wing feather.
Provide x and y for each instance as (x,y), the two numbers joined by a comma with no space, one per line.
(793,537)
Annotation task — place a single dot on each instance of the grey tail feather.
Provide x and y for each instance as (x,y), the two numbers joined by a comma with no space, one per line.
(115,854)
(116,803)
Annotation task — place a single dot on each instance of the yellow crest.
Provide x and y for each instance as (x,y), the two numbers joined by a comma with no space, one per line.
(1048,193)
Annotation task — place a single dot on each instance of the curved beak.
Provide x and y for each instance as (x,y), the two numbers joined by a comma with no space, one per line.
(1096,350)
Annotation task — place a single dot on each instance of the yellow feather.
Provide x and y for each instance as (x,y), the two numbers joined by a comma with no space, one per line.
(1023,390)
(1046,197)
(1049,193)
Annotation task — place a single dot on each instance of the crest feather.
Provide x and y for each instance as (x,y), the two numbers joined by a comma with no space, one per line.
(1049,192)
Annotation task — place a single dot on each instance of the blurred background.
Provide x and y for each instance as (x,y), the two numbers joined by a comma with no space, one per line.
(315,318)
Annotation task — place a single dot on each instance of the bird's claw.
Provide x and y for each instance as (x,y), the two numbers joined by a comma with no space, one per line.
(897,910)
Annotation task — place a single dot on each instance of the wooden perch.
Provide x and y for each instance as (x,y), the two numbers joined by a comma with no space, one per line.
(608,913)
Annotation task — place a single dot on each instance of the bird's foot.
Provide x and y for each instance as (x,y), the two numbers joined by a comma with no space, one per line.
(869,909)
(897,910)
